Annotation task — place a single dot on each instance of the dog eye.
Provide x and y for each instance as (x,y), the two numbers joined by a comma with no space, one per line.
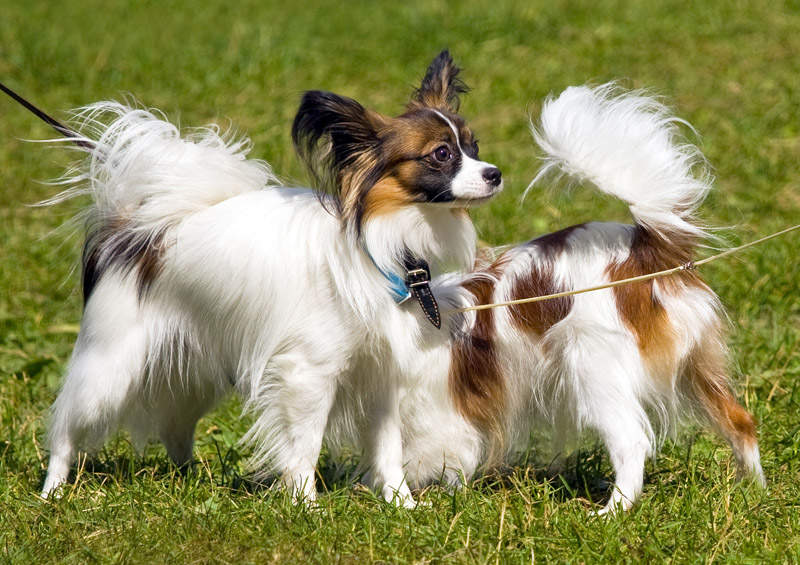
(442,154)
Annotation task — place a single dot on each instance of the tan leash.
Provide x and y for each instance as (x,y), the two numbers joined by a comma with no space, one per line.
(691,265)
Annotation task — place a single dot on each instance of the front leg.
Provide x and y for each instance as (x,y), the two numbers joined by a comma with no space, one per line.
(294,402)
(384,449)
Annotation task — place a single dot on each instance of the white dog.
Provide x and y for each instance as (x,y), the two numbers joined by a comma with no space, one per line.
(201,275)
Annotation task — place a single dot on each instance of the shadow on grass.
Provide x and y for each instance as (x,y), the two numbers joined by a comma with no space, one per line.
(584,475)
(119,463)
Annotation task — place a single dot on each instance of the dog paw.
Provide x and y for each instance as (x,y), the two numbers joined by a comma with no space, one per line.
(401,498)
(615,506)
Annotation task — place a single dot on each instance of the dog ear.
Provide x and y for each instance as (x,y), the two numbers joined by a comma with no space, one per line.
(337,138)
(441,86)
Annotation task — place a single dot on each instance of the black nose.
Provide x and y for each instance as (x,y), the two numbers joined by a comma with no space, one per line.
(492,175)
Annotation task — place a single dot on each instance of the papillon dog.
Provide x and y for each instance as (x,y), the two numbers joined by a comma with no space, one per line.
(203,275)
(627,362)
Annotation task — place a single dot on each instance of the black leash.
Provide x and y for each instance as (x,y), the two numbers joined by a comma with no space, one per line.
(49,120)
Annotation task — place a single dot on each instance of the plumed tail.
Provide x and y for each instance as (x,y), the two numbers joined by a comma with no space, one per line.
(627,145)
(145,177)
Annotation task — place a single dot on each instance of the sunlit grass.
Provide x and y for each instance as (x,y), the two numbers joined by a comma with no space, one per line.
(729,68)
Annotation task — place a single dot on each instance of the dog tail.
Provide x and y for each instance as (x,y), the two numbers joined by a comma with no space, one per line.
(144,177)
(630,146)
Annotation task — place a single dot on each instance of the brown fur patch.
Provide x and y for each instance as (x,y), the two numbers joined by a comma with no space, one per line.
(460,212)
(418,132)
(538,317)
(355,182)
(637,303)
(477,384)
(387,196)
(707,378)
(114,246)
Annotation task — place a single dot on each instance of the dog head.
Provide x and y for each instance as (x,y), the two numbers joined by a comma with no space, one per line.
(373,164)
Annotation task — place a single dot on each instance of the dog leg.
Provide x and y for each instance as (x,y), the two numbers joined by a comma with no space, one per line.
(603,397)
(102,375)
(736,425)
(177,413)
(307,417)
(708,380)
(628,447)
(178,438)
(385,449)
(295,412)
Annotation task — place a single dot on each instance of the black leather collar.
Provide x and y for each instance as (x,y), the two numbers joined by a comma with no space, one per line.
(417,280)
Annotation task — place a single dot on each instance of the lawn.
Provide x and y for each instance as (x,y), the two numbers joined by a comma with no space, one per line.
(732,69)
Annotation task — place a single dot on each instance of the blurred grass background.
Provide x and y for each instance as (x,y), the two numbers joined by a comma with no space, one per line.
(731,68)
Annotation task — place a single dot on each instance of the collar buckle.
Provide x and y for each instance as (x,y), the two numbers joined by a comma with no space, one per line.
(417,277)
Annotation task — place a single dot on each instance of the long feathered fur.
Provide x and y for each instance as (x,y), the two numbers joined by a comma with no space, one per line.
(627,363)
(144,177)
(203,275)
(628,146)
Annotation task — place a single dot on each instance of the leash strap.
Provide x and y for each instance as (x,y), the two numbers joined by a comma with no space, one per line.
(49,120)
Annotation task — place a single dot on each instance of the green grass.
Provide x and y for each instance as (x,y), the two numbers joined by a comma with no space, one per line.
(730,68)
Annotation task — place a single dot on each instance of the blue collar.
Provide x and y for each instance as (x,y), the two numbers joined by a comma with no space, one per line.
(397,284)
(416,283)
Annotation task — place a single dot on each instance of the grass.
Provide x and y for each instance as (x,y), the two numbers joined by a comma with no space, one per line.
(730,68)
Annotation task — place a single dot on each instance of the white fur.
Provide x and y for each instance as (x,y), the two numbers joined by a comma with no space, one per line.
(260,291)
(586,371)
(469,183)
(627,146)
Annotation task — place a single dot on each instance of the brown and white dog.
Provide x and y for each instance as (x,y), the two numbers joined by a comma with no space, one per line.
(627,362)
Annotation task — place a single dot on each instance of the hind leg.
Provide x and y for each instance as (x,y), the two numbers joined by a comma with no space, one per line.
(736,425)
(628,447)
(708,381)
(177,414)
(88,408)
(106,364)
(602,385)
(177,435)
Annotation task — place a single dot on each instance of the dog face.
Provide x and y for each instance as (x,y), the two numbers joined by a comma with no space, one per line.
(373,164)
(435,160)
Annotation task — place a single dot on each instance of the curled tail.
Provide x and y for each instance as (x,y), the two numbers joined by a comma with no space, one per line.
(145,177)
(629,146)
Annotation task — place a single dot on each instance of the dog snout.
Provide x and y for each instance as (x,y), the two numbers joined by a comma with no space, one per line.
(492,175)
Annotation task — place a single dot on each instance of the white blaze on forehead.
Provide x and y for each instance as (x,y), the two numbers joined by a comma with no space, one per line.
(468,182)
(452,127)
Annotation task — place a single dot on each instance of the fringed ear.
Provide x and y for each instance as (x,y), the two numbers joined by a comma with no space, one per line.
(441,86)
(337,138)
